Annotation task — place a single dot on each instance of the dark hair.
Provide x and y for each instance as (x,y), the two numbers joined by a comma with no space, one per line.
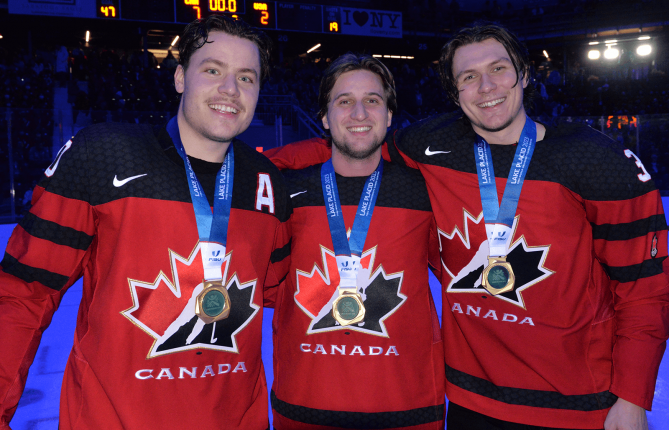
(350,62)
(197,32)
(481,31)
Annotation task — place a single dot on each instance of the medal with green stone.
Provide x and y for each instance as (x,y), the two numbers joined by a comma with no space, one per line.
(213,303)
(498,276)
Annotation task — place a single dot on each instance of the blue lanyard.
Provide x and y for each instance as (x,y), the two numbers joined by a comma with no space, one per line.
(363,217)
(210,227)
(494,213)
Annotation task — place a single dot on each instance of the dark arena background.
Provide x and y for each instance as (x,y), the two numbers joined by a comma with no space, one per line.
(66,64)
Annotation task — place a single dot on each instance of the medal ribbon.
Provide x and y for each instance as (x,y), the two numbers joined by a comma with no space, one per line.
(348,251)
(212,228)
(499,218)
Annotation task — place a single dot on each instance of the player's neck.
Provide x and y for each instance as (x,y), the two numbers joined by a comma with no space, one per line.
(511,134)
(346,166)
(198,146)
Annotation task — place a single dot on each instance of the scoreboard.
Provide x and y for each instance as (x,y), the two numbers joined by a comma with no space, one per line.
(266,14)
(271,15)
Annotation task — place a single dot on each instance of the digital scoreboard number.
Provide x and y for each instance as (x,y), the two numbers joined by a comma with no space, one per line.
(189,10)
(262,15)
(331,19)
(107,9)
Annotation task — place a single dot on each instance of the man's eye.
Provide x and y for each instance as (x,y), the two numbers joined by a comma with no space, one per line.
(212,71)
(498,68)
(246,79)
(373,101)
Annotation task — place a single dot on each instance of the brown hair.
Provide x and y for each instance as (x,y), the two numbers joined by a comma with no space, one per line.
(197,32)
(350,62)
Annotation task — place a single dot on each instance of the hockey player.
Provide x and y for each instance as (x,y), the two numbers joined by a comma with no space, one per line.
(555,305)
(168,330)
(357,342)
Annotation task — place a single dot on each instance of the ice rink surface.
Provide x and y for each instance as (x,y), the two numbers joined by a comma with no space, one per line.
(38,409)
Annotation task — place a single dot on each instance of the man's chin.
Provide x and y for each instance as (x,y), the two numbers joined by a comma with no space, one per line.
(361,154)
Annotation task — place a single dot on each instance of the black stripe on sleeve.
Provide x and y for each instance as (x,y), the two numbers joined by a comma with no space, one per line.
(12,266)
(56,233)
(648,268)
(534,398)
(280,253)
(395,155)
(629,230)
(358,420)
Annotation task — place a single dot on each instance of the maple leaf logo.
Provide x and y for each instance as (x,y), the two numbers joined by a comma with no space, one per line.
(165,308)
(467,250)
(317,290)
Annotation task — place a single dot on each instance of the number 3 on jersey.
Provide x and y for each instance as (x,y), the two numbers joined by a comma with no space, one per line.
(643,177)
(264,194)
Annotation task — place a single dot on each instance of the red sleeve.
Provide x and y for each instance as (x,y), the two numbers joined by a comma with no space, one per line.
(44,256)
(305,153)
(640,289)
(299,155)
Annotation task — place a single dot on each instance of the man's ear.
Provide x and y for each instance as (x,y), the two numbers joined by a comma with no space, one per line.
(179,81)
(526,81)
(326,125)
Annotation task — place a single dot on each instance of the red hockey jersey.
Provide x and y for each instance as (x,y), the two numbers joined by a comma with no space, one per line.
(115,208)
(589,316)
(386,371)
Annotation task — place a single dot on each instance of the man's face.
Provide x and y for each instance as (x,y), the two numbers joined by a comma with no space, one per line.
(485,78)
(358,115)
(219,89)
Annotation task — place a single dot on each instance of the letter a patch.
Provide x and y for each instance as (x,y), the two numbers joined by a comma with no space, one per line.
(264,195)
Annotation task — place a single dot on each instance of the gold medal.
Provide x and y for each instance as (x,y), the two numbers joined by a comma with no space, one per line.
(498,277)
(348,309)
(213,303)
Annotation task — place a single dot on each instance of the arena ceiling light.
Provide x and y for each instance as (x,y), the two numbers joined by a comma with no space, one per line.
(88,36)
(546,55)
(594,54)
(176,38)
(402,57)
(593,43)
(644,37)
(313,48)
(644,50)
(611,53)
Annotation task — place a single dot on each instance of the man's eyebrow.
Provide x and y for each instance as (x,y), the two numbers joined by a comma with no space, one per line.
(373,93)
(499,60)
(224,64)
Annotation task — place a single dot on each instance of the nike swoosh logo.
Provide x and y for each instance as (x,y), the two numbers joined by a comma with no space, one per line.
(428,152)
(296,194)
(118,183)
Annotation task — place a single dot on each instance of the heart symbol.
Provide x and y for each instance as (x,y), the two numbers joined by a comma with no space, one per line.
(360,18)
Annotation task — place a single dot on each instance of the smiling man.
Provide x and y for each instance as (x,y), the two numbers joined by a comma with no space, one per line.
(555,301)
(356,340)
(168,331)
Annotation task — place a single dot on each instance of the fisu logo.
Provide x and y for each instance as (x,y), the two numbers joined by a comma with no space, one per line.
(344,266)
(215,256)
(501,235)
